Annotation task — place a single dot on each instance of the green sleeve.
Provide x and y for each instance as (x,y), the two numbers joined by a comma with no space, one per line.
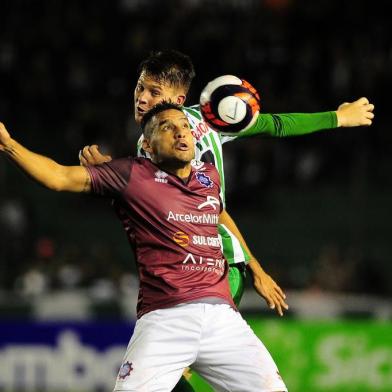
(291,124)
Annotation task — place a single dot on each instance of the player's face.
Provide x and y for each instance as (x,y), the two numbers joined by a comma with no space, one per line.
(171,140)
(150,91)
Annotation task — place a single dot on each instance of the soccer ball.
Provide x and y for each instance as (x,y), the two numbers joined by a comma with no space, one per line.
(229,104)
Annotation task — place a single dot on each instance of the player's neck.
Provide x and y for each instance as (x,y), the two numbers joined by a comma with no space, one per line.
(182,171)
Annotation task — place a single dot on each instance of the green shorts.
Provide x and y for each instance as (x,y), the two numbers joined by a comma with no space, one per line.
(237,281)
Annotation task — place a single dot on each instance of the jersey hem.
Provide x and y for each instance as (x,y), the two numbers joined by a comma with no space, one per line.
(228,300)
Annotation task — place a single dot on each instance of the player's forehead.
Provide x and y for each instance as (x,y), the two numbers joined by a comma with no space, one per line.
(154,82)
(170,116)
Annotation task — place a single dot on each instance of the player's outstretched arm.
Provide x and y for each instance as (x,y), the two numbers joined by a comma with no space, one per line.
(350,114)
(42,169)
(90,155)
(262,282)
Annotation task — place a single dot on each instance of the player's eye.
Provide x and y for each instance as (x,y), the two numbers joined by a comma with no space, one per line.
(155,93)
(139,88)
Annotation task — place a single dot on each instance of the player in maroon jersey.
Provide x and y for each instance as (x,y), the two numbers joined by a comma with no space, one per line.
(170,211)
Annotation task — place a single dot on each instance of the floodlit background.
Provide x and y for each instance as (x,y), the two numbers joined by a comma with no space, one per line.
(316,209)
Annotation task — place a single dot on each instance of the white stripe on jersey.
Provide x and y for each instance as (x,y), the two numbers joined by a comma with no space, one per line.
(236,248)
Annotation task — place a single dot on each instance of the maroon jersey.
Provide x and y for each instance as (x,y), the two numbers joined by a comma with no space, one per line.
(172,228)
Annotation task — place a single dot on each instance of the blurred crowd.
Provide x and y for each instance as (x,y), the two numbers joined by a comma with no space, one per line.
(67,72)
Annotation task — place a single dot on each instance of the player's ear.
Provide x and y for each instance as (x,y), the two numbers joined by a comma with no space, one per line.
(180,99)
(146,145)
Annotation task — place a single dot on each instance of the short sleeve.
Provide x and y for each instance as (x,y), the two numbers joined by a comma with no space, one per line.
(110,179)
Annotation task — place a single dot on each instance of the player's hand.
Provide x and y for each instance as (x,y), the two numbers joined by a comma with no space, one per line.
(90,155)
(267,288)
(5,137)
(354,114)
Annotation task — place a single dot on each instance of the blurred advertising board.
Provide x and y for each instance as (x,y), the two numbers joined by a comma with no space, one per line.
(80,356)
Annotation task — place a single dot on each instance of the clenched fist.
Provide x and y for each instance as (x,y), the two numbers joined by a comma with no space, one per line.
(90,155)
(354,114)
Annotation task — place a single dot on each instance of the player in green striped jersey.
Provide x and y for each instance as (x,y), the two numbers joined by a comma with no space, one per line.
(209,145)
(167,75)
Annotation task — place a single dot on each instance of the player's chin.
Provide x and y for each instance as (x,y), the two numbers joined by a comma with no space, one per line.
(185,156)
(138,118)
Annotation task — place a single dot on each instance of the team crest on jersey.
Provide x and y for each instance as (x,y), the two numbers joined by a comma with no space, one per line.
(204,180)
(125,370)
(160,176)
(198,165)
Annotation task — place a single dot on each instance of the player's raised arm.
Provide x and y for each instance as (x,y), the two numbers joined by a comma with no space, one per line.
(42,169)
(350,114)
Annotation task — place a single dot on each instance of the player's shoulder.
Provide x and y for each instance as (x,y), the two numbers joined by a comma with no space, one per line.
(129,163)
(142,162)
(120,162)
(193,111)
(200,165)
(199,127)
(192,108)
(134,166)
(121,165)
(112,176)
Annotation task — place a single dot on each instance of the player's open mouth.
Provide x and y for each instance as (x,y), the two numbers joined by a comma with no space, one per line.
(141,111)
(182,146)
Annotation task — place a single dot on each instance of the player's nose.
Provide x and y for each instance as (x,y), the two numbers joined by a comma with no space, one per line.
(142,97)
(179,132)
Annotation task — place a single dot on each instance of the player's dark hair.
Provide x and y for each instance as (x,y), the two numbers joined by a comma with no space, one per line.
(170,66)
(156,109)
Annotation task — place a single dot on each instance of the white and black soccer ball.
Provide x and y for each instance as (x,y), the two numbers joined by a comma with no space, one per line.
(229,104)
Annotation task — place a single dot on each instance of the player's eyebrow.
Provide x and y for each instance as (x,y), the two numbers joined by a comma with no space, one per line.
(165,121)
(151,85)
(156,86)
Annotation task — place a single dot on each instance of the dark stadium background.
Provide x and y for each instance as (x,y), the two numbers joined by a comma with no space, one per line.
(316,210)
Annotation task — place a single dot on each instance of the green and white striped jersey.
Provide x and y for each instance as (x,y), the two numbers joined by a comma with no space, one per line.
(208,145)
